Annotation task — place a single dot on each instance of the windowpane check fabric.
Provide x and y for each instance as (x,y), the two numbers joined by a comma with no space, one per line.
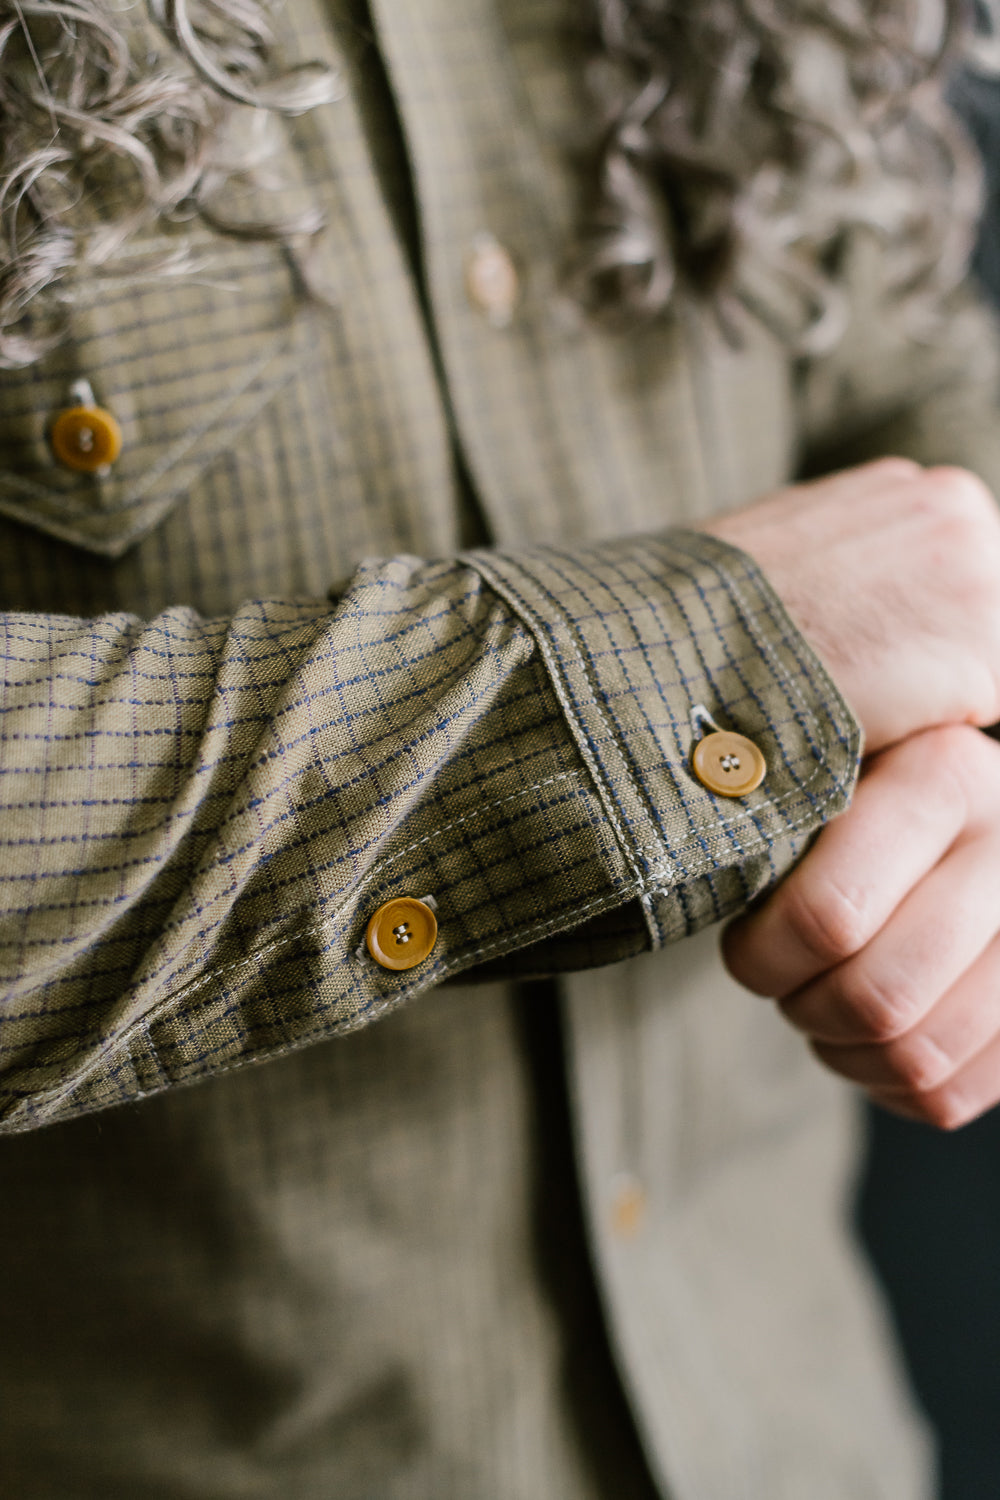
(237,797)
(257,683)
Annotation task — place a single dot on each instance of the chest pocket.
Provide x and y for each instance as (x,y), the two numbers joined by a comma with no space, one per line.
(182,364)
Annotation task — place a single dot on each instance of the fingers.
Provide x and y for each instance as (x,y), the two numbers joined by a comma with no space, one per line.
(910,806)
(933,937)
(883,945)
(967,1093)
(963,1023)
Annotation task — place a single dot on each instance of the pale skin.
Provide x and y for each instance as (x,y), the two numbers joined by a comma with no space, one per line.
(883,944)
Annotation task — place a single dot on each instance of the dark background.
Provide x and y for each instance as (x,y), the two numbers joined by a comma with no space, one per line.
(929,1204)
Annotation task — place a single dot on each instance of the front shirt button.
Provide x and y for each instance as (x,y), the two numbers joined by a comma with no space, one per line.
(628,1206)
(491,280)
(85,438)
(728,764)
(401,933)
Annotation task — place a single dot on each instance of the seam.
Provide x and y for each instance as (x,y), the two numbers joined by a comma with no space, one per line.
(372,876)
(72,512)
(485,807)
(838,782)
(154,1054)
(556,677)
(218,411)
(750,620)
(366,1014)
(677,539)
(766,648)
(371,879)
(370,1012)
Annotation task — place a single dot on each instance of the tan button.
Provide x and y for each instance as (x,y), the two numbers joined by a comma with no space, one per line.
(401,933)
(491,280)
(628,1206)
(86,438)
(728,763)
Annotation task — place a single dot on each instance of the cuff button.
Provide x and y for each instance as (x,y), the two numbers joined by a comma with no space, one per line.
(401,933)
(728,764)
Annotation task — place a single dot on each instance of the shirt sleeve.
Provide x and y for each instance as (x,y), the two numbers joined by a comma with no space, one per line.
(201,815)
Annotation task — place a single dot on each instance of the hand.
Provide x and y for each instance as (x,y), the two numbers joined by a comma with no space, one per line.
(882,944)
(892,573)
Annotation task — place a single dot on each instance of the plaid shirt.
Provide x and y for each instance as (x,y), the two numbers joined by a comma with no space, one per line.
(258,682)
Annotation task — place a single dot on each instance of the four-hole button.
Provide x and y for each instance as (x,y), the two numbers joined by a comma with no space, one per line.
(728,763)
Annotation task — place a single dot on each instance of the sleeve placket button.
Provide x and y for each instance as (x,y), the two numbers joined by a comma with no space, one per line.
(728,763)
(402,933)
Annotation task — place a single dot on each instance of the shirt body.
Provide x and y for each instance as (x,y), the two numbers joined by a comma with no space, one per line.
(340,1272)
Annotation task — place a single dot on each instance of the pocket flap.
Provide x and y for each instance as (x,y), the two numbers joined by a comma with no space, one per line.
(182,363)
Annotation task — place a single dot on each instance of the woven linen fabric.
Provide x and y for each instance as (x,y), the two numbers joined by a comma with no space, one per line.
(262,676)
(291,768)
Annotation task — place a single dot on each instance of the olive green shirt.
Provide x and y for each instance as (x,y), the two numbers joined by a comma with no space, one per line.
(258,682)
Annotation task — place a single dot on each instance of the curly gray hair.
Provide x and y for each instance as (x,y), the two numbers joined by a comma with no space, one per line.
(739,138)
(736,140)
(112,121)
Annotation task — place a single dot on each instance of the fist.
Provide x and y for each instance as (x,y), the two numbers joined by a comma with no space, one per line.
(882,945)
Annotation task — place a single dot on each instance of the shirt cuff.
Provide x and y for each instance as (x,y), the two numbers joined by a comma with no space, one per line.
(638,636)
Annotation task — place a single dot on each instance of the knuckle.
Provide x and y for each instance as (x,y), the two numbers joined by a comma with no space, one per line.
(961,494)
(871,1009)
(959,761)
(894,466)
(826,921)
(954,743)
(917,1064)
(945,1109)
(954,760)
(963,525)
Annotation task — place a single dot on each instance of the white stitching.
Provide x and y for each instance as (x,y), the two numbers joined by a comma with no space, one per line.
(438,972)
(780,672)
(521,936)
(750,620)
(505,590)
(477,812)
(750,616)
(328,924)
(837,783)
(73,512)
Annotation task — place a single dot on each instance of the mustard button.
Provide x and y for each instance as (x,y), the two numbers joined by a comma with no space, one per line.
(628,1206)
(86,438)
(491,280)
(401,933)
(728,764)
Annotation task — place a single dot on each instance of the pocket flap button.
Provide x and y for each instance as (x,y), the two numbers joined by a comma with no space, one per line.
(86,438)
